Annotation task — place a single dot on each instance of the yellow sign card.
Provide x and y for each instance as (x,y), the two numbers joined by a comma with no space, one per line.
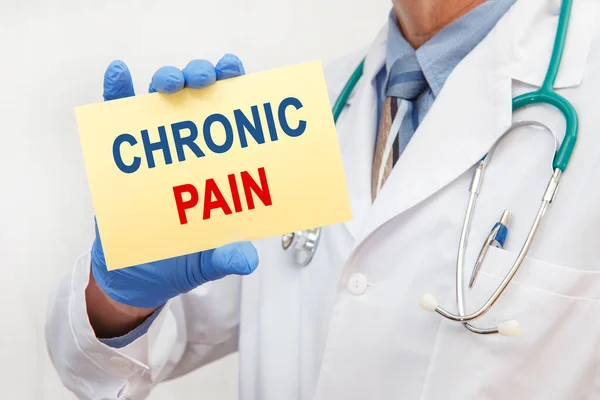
(243,159)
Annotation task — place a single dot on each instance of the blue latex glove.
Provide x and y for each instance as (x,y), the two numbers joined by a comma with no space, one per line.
(151,285)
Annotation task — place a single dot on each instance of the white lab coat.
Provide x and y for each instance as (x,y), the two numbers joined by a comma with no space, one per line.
(348,326)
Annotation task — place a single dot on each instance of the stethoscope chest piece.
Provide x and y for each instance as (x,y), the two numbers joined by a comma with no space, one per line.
(303,244)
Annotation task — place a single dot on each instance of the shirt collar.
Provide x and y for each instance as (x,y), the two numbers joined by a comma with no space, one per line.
(443,52)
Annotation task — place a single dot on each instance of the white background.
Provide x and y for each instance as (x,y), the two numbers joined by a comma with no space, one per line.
(52,58)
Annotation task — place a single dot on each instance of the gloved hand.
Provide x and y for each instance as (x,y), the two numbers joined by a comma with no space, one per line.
(151,285)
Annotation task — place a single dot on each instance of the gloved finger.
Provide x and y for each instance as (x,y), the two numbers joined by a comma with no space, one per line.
(167,80)
(117,81)
(232,259)
(199,74)
(229,66)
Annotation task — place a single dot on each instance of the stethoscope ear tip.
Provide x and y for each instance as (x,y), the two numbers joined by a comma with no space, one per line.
(509,328)
(428,303)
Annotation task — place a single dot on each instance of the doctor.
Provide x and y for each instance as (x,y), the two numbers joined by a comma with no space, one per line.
(348,326)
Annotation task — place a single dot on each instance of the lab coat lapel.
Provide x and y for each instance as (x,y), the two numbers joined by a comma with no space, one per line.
(474,108)
(469,115)
(356,129)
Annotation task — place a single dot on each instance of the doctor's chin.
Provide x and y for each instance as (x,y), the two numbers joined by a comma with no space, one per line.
(316,200)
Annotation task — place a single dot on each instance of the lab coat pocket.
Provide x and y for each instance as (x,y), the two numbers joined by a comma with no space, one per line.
(556,356)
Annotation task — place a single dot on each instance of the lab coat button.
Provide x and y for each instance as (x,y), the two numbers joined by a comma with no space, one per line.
(357,284)
(121,363)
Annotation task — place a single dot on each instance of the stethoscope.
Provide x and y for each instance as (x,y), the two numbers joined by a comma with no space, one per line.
(305,243)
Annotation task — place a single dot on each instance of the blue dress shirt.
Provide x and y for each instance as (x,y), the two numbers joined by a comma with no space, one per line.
(442,53)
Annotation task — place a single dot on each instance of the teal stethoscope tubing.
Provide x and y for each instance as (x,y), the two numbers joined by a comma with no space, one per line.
(547,95)
(342,99)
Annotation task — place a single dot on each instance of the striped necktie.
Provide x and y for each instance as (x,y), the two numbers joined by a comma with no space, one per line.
(405,83)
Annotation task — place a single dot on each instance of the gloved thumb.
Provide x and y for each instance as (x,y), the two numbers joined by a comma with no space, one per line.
(232,259)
